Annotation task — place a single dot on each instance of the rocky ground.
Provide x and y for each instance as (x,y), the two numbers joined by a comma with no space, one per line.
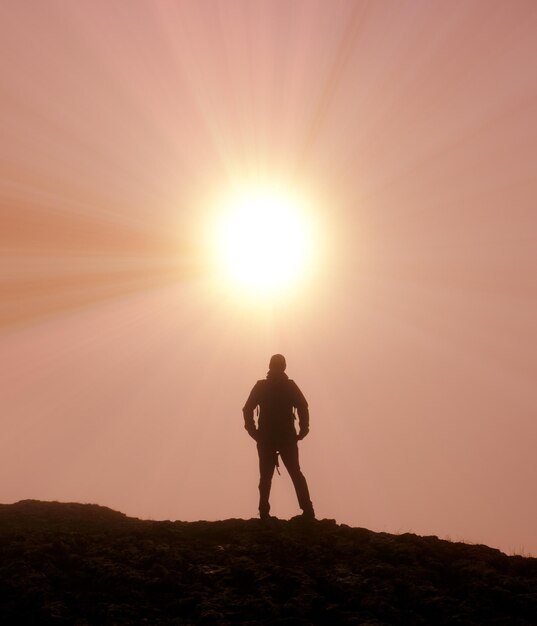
(86,564)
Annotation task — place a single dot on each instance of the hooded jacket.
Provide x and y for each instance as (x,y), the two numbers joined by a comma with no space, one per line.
(277,396)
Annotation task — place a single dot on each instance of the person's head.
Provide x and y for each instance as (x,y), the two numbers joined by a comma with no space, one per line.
(277,363)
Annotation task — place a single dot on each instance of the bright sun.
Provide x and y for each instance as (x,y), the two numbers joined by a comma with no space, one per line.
(264,239)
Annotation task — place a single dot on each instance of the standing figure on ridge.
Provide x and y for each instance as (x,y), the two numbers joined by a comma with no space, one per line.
(277,397)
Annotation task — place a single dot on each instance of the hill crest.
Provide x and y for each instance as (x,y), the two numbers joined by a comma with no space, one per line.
(66,563)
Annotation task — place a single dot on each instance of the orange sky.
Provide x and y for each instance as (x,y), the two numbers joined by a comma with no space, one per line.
(124,367)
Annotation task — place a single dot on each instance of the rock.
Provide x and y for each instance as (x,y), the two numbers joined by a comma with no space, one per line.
(86,564)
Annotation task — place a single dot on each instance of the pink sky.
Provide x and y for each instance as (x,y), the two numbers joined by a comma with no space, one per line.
(124,370)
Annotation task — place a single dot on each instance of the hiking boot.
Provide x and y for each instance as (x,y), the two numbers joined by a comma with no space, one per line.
(308,514)
(265,516)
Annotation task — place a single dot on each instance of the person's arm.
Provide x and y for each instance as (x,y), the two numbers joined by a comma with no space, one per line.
(248,412)
(303,412)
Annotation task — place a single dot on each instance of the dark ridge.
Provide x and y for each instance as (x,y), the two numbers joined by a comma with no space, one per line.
(86,564)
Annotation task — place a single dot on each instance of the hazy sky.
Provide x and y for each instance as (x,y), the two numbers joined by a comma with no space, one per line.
(412,128)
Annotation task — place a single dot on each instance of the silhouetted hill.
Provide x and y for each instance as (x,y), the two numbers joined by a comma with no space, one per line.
(86,564)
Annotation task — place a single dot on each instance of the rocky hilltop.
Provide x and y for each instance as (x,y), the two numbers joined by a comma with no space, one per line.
(84,564)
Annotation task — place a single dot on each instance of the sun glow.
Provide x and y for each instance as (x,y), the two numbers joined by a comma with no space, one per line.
(264,239)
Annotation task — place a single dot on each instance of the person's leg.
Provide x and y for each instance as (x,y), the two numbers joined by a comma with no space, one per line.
(267,463)
(289,454)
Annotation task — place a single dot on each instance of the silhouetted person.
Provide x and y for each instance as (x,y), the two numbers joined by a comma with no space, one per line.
(277,397)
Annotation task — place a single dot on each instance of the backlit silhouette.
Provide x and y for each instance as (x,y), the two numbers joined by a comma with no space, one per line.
(277,398)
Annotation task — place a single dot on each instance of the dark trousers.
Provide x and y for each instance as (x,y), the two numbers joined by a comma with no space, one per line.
(268,456)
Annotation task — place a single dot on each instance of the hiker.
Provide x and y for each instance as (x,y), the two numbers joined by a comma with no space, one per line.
(277,398)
